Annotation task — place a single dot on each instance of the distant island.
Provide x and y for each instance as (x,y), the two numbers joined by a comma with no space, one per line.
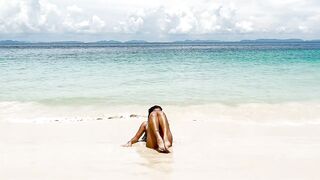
(14,42)
(274,40)
(108,42)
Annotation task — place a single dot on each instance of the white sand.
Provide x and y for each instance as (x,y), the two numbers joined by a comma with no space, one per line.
(204,149)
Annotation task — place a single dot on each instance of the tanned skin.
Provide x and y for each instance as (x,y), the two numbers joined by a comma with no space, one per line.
(159,136)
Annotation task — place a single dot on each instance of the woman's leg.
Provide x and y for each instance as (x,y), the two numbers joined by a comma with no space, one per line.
(164,124)
(154,139)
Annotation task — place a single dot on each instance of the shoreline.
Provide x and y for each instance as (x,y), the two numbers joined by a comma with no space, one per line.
(294,113)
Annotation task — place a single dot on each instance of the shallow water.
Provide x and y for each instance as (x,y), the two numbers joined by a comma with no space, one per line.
(162,73)
(167,74)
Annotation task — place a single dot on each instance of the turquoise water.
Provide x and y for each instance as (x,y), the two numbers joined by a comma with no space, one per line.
(171,74)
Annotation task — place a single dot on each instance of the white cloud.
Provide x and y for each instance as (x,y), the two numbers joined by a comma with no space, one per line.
(41,16)
(74,9)
(161,19)
(244,26)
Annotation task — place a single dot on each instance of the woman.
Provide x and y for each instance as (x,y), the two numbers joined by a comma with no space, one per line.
(157,132)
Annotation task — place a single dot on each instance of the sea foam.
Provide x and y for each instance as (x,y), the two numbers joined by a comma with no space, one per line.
(293,113)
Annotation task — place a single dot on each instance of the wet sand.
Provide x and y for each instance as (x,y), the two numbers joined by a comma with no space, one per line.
(201,149)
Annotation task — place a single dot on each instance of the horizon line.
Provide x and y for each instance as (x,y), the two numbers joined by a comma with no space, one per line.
(111,41)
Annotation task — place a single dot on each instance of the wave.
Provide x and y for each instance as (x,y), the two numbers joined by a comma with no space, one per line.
(293,113)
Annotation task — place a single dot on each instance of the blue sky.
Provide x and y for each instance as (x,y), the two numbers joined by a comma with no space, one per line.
(158,20)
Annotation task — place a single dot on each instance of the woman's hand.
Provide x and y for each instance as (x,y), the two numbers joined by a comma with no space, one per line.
(129,144)
(135,139)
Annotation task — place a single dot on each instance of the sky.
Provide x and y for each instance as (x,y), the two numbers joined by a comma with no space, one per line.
(158,20)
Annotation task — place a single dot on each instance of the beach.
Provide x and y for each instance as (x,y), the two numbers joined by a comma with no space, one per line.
(236,110)
(233,86)
(206,148)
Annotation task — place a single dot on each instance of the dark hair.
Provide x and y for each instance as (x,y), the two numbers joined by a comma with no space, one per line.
(153,108)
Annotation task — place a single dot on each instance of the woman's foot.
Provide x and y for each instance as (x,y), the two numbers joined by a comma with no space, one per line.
(167,144)
(166,141)
(161,146)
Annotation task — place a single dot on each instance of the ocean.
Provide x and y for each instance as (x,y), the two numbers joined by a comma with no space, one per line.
(244,77)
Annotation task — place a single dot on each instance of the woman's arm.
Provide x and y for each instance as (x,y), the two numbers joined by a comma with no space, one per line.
(135,139)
